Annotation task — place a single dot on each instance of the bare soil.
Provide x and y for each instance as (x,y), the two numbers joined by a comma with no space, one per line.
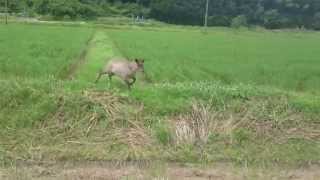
(141,170)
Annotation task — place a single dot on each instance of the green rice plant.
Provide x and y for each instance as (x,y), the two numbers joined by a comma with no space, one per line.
(40,51)
(287,60)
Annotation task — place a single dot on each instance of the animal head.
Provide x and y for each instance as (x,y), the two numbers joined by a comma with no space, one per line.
(140,64)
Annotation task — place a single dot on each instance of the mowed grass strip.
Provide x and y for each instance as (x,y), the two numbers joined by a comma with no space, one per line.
(40,50)
(288,60)
(101,49)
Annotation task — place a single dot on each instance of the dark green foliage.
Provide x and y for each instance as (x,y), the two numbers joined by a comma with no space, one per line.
(218,20)
(178,11)
(268,13)
(239,21)
(272,19)
(316,22)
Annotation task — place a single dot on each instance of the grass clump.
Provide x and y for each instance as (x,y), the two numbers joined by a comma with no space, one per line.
(23,103)
(162,133)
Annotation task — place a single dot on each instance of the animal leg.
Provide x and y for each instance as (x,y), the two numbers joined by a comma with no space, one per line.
(128,84)
(133,80)
(99,76)
(110,78)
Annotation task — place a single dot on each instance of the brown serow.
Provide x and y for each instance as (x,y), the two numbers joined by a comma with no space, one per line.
(122,68)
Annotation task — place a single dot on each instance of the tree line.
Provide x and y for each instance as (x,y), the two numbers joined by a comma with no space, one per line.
(268,13)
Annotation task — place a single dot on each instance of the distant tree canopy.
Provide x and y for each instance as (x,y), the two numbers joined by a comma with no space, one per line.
(267,13)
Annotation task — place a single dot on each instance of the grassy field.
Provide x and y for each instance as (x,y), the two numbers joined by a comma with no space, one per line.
(35,51)
(280,59)
(242,96)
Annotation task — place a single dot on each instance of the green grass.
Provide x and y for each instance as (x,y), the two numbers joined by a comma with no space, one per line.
(39,51)
(96,57)
(258,87)
(287,60)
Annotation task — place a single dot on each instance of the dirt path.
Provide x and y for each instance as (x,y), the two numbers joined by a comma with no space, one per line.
(115,171)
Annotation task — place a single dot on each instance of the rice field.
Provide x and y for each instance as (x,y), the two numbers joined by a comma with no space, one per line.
(287,60)
(40,51)
(248,97)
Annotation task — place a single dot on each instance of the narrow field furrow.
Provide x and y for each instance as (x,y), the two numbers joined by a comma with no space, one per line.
(80,60)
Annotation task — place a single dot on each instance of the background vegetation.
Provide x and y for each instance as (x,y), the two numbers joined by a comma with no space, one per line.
(268,13)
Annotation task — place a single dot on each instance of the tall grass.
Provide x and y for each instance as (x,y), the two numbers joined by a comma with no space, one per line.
(286,60)
(39,51)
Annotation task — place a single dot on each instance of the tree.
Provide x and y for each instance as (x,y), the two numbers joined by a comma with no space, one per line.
(316,19)
(239,21)
(267,13)
(271,19)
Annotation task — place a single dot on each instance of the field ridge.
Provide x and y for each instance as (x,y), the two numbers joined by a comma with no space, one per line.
(100,50)
(80,60)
